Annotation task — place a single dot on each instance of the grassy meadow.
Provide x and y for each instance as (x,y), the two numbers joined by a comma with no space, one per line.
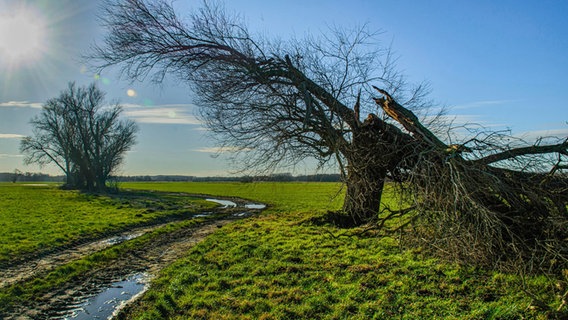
(40,217)
(281,266)
(278,265)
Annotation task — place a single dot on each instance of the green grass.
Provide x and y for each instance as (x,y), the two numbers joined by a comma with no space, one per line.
(50,210)
(274,266)
(279,266)
(39,218)
(21,292)
(289,196)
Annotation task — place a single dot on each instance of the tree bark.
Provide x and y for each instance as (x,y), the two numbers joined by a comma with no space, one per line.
(364,191)
(377,149)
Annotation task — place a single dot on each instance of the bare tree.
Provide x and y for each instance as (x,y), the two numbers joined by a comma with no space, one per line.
(16,175)
(80,135)
(272,102)
(277,102)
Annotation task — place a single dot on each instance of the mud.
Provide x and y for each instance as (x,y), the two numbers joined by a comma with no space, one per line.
(68,300)
(40,265)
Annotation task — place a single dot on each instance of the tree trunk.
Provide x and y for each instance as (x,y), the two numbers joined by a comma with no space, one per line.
(364,190)
(101,181)
(369,160)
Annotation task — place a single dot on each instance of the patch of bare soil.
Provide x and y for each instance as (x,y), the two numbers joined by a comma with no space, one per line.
(150,259)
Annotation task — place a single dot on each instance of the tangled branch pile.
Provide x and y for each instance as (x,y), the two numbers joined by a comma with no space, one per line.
(485,201)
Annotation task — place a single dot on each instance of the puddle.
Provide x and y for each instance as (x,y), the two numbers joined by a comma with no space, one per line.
(104,304)
(203,215)
(122,238)
(255,206)
(231,204)
(242,214)
(224,203)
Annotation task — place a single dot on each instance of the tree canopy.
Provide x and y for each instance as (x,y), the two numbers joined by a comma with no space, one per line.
(82,136)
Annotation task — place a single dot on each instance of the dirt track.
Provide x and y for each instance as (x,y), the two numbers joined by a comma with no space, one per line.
(164,249)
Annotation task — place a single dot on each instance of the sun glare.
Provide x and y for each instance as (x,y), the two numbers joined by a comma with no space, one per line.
(22,37)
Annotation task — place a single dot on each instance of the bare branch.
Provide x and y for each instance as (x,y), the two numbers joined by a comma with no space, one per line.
(561,148)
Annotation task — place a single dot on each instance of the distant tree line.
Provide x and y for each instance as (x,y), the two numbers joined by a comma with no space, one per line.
(287,177)
(283,177)
(18,176)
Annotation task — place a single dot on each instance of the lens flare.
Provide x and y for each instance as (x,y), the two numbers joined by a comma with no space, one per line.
(103,80)
(23,36)
(148,103)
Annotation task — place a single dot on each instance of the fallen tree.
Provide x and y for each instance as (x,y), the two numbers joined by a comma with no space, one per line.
(482,200)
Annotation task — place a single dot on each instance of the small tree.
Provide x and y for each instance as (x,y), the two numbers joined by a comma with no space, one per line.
(17,173)
(80,135)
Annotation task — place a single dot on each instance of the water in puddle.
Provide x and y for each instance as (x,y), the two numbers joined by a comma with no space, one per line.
(242,214)
(122,238)
(231,204)
(104,304)
(255,206)
(203,215)
(224,203)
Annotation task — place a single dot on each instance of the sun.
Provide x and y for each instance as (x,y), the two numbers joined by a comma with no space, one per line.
(23,33)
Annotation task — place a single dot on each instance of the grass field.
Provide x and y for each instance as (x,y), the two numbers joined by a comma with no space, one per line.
(278,265)
(285,197)
(35,218)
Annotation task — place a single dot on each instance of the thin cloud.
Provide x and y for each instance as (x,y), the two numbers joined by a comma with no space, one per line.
(11,136)
(483,103)
(460,120)
(5,156)
(552,134)
(21,104)
(164,114)
(216,149)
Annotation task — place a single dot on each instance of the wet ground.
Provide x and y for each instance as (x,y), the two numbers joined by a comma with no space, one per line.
(98,293)
(106,303)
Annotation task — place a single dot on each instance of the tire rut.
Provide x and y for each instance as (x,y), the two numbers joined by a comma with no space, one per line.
(150,259)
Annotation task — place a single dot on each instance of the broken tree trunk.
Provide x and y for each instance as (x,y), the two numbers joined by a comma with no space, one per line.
(376,152)
(366,174)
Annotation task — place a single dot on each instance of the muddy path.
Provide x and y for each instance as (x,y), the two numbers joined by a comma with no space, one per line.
(40,265)
(148,259)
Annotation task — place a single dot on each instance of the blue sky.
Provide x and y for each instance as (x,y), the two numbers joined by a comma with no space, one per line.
(502,64)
